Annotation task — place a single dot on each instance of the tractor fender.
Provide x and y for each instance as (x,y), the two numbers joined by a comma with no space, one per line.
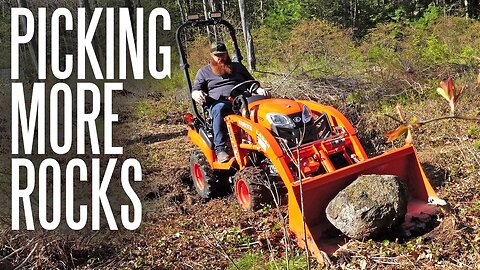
(194,137)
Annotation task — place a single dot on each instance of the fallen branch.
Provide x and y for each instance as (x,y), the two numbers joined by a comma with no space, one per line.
(217,245)
(384,262)
(26,259)
(449,117)
(17,250)
(12,253)
(419,123)
(462,264)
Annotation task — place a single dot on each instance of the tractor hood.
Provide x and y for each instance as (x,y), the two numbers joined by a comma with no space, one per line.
(285,118)
(278,105)
(262,109)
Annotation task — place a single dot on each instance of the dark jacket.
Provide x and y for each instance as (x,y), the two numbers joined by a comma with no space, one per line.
(220,86)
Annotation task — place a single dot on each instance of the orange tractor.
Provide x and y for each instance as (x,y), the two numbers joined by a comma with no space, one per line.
(310,149)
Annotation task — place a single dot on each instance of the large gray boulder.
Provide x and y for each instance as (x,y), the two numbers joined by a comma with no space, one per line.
(371,205)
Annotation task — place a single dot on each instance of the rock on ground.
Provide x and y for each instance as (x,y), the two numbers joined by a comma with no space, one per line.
(371,205)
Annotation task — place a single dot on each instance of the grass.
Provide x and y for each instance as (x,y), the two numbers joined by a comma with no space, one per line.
(175,82)
(168,109)
(474,131)
(257,261)
(249,261)
(476,145)
(145,108)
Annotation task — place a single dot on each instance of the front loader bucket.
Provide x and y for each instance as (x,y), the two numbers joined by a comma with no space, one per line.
(320,190)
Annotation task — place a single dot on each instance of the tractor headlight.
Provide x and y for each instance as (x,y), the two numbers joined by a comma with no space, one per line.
(306,114)
(280,120)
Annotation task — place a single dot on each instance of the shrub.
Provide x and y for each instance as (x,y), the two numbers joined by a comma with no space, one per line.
(268,49)
(431,14)
(436,52)
(198,51)
(320,46)
(285,14)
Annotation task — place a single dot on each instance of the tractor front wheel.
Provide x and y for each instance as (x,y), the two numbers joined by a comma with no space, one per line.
(207,184)
(251,188)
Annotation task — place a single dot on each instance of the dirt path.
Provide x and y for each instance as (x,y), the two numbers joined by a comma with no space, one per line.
(185,231)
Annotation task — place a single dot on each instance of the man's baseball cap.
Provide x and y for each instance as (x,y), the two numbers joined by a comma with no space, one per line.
(218,48)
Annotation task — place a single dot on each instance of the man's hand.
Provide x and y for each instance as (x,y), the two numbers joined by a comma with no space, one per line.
(199,96)
(261,91)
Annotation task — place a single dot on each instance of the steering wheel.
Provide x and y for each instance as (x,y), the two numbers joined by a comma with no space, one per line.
(254,85)
(240,103)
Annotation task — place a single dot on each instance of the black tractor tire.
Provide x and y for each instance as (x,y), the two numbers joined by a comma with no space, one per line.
(206,182)
(251,188)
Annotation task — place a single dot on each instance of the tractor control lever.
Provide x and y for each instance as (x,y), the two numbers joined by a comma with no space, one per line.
(239,105)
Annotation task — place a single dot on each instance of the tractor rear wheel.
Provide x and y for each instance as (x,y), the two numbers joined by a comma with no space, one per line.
(251,188)
(207,184)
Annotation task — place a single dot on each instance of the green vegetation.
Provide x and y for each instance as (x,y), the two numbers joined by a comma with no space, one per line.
(391,49)
(251,261)
(476,145)
(473,131)
(401,55)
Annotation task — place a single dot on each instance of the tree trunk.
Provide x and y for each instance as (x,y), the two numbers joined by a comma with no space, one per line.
(205,3)
(33,43)
(467,7)
(355,11)
(182,11)
(247,36)
(215,5)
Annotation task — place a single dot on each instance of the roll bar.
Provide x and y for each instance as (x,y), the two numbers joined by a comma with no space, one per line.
(183,57)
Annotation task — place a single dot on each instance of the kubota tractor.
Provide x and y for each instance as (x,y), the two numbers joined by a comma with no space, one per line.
(310,149)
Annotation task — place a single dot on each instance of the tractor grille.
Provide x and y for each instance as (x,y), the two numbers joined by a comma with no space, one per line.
(294,135)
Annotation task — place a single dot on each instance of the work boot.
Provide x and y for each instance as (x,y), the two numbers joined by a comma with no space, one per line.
(223,156)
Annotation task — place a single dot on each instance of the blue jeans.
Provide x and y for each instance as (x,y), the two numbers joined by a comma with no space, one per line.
(218,110)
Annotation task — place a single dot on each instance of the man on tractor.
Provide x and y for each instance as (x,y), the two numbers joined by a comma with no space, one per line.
(213,86)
